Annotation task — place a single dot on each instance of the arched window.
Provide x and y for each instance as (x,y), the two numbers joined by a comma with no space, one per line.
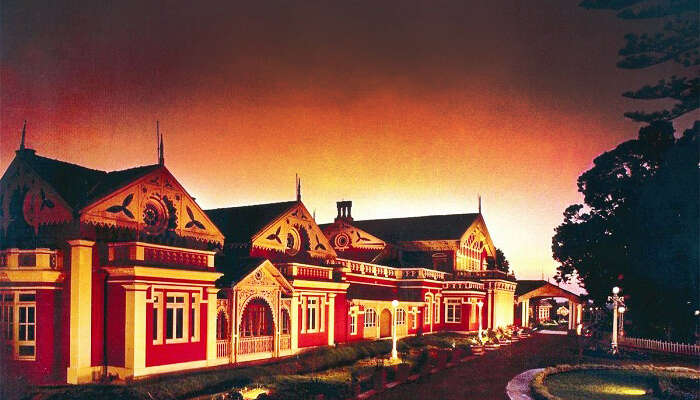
(257,319)
(221,326)
(472,253)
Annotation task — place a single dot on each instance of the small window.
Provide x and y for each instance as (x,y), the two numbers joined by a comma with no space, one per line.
(400,317)
(353,324)
(311,314)
(453,311)
(175,319)
(370,318)
(437,310)
(285,322)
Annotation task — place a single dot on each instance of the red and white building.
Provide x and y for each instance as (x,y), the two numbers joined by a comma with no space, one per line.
(122,273)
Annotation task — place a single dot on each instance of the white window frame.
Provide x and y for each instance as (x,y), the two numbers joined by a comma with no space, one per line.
(175,305)
(454,306)
(436,304)
(353,324)
(400,316)
(415,318)
(370,322)
(158,303)
(285,320)
(428,309)
(10,306)
(195,308)
(312,310)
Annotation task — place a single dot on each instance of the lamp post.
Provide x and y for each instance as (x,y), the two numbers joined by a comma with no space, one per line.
(479,305)
(618,307)
(394,353)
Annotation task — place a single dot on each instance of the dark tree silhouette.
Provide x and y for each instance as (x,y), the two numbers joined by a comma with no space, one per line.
(499,261)
(677,40)
(638,229)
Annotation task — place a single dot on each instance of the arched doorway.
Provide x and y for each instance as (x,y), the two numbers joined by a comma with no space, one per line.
(256,329)
(385,323)
(221,325)
(285,331)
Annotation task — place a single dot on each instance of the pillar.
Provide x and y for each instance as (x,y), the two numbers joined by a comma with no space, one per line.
(579,313)
(294,322)
(135,328)
(525,304)
(571,315)
(211,324)
(331,319)
(79,369)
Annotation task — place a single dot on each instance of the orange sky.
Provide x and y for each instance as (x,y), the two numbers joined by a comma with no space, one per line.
(406,110)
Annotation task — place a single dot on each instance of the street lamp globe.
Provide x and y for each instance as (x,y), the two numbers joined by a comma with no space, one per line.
(697,312)
(621,310)
(394,303)
(616,290)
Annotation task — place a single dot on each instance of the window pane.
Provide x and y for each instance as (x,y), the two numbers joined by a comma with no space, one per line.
(30,336)
(22,332)
(22,314)
(178,323)
(26,297)
(31,315)
(192,322)
(169,323)
(26,351)
(155,323)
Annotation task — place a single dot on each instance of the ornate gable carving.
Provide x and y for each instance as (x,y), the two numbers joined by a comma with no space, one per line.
(344,236)
(293,232)
(27,200)
(154,204)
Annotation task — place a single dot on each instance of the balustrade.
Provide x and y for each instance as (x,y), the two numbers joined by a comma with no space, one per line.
(256,344)
(223,348)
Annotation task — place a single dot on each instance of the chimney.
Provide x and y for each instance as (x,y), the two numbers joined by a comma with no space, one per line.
(344,208)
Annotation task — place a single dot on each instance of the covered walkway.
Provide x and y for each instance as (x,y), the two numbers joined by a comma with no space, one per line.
(536,290)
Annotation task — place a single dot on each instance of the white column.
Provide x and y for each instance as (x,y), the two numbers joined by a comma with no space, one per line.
(480,305)
(135,329)
(79,369)
(331,319)
(571,315)
(614,326)
(211,324)
(294,322)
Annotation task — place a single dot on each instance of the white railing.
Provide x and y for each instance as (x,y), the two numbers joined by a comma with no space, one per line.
(285,342)
(222,348)
(363,268)
(256,344)
(462,285)
(661,346)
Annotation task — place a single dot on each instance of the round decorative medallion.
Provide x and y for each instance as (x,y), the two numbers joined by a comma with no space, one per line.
(293,242)
(342,241)
(258,275)
(155,216)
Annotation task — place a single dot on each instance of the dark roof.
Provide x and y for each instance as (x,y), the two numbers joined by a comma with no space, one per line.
(432,227)
(528,286)
(237,271)
(239,224)
(78,185)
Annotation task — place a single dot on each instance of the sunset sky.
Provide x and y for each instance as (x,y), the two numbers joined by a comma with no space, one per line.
(404,107)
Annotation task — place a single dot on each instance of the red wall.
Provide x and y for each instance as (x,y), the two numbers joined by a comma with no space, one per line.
(115,324)
(171,353)
(47,366)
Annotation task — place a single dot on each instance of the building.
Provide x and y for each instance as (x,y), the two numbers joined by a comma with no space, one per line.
(122,273)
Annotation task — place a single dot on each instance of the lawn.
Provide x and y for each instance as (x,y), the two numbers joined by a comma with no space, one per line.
(601,385)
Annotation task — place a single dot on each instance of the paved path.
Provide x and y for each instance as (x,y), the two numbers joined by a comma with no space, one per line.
(486,377)
(519,387)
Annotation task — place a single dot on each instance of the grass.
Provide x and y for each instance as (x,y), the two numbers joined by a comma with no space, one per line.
(615,382)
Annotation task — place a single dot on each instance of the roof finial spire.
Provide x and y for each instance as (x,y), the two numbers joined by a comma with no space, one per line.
(24,133)
(159,140)
(298,187)
(479,204)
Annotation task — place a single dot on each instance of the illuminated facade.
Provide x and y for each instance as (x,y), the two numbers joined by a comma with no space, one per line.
(123,274)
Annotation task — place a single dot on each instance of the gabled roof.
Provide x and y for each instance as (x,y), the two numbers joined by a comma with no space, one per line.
(78,185)
(431,227)
(526,286)
(239,224)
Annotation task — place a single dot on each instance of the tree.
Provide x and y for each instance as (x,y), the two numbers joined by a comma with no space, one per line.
(499,262)
(638,229)
(676,40)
